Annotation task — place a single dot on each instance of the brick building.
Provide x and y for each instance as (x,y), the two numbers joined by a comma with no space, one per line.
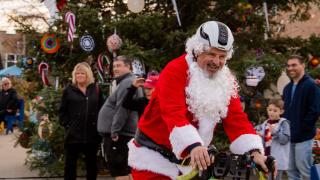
(12,48)
(303,29)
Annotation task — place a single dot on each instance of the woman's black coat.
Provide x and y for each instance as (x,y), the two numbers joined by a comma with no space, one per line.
(78,113)
(8,100)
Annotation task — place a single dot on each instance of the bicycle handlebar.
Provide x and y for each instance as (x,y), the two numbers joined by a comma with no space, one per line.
(227,164)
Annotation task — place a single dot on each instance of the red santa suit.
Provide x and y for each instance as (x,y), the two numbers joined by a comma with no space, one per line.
(170,120)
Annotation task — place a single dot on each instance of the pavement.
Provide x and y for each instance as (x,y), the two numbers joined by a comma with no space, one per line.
(12,162)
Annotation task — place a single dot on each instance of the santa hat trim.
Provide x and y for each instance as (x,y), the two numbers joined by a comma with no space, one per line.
(245,143)
(142,158)
(182,137)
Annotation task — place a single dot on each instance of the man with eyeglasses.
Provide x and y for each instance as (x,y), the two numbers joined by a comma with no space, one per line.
(8,101)
(194,93)
(302,109)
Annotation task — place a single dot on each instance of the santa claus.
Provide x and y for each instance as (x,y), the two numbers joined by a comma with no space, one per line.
(194,93)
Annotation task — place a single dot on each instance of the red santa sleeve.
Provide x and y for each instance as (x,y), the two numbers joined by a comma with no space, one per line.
(239,129)
(172,100)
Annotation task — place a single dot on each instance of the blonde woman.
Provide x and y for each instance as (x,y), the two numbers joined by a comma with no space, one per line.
(78,114)
(8,101)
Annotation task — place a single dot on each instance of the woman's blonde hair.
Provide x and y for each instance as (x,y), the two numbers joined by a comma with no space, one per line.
(5,79)
(83,66)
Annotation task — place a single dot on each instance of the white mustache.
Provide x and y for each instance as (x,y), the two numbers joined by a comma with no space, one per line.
(212,65)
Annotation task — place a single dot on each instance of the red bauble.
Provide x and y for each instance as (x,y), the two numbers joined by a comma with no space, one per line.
(257,105)
(314,62)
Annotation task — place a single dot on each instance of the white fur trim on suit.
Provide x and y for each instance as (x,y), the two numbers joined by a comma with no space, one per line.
(182,137)
(245,143)
(206,129)
(142,158)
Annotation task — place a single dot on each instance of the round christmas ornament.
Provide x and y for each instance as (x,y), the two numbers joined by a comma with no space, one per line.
(114,43)
(24,139)
(87,43)
(27,62)
(257,105)
(135,6)
(138,68)
(252,81)
(60,4)
(45,127)
(256,71)
(50,43)
(254,75)
(314,62)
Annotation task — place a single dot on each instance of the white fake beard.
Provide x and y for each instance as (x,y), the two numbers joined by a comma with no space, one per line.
(208,97)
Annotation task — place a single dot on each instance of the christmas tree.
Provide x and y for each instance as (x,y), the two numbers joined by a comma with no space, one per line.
(154,32)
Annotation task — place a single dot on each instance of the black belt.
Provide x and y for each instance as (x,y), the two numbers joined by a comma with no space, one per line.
(145,141)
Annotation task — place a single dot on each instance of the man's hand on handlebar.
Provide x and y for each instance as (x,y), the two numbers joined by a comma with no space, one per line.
(200,158)
(264,163)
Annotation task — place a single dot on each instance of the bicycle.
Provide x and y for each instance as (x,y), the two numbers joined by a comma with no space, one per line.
(229,165)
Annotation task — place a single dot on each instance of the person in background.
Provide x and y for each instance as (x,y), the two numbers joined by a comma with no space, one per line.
(302,108)
(275,133)
(117,124)
(139,104)
(8,103)
(20,112)
(78,114)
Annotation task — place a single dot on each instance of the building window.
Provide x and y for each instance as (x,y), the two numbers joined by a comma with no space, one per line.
(11,59)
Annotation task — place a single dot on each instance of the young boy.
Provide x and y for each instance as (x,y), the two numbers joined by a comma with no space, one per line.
(275,132)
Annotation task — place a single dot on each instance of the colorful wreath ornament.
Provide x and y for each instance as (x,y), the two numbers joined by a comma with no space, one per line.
(50,43)
(87,43)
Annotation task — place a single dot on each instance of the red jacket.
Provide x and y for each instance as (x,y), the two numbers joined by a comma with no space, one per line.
(167,121)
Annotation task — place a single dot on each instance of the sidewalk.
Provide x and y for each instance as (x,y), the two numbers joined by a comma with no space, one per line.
(12,161)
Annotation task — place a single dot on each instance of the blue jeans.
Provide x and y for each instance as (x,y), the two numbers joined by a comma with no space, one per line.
(300,161)
(10,120)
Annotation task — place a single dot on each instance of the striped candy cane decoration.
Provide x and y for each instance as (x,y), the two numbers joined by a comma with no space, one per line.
(71,19)
(103,61)
(43,69)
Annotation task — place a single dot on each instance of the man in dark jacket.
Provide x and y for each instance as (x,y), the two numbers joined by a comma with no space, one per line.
(117,124)
(302,109)
(139,104)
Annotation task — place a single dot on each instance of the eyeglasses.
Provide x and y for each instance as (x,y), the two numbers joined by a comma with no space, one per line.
(5,84)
